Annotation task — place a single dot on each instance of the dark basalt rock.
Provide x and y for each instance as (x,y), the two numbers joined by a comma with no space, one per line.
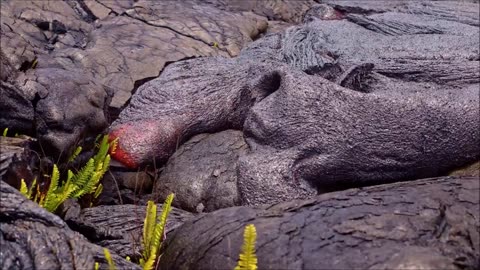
(58,106)
(203,172)
(33,238)
(110,48)
(424,224)
(120,227)
(314,136)
(190,97)
(307,134)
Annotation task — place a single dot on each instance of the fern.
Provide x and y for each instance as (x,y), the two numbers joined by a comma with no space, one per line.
(108,257)
(248,259)
(102,151)
(51,198)
(32,187)
(5,132)
(86,181)
(82,177)
(23,188)
(153,231)
(113,145)
(75,154)
(98,191)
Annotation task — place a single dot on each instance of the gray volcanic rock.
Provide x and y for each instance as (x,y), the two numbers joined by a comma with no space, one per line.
(33,238)
(361,126)
(312,135)
(424,224)
(203,172)
(203,95)
(110,47)
(274,10)
(59,107)
(120,227)
(124,43)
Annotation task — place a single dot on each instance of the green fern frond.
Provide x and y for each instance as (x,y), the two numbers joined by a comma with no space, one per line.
(51,199)
(105,164)
(149,228)
(96,266)
(108,257)
(85,181)
(248,259)
(166,209)
(102,151)
(75,154)
(150,263)
(92,184)
(153,231)
(83,177)
(54,179)
(32,187)
(5,132)
(24,188)
(66,191)
(98,191)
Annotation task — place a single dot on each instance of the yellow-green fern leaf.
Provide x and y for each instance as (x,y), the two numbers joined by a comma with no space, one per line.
(75,154)
(148,229)
(102,151)
(82,178)
(113,145)
(97,266)
(248,259)
(50,197)
(150,263)
(32,187)
(105,164)
(91,184)
(5,132)
(108,257)
(24,188)
(157,237)
(98,191)
(52,202)
(66,191)
(166,208)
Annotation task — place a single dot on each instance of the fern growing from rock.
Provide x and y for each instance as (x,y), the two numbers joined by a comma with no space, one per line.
(248,258)
(85,181)
(153,232)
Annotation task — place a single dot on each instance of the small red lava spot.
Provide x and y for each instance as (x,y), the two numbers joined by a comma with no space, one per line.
(338,15)
(119,154)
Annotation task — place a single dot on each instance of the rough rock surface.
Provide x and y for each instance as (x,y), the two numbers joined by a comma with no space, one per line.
(191,97)
(312,135)
(80,57)
(203,172)
(424,224)
(33,238)
(119,227)
(59,107)
(320,112)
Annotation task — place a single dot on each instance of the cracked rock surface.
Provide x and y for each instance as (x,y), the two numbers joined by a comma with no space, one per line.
(33,238)
(120,227)
(349,98)
(105,50)
(424,224)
